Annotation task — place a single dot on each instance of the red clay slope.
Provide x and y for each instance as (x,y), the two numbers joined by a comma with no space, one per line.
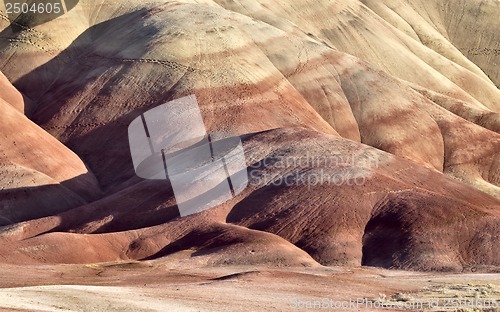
(386,212)
(39,175)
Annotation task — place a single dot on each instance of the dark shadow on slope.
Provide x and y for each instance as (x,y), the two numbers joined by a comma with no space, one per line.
(28,203)
(385,238)
(147,203)
(205,241)
(144,204)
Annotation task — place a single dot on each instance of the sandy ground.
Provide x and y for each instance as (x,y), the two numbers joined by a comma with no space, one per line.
(154,286)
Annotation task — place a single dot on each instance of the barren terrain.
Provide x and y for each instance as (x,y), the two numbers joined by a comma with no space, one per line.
(164,286)
(371,138)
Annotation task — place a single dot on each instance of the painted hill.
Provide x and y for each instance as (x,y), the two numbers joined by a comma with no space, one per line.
(389,92)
